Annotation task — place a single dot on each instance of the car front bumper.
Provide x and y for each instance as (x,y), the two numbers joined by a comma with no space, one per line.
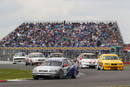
(113,67)
(45,74)
(88,65)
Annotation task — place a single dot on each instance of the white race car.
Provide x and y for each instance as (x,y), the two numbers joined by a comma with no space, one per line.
(56,67)
(19,57)
(87,60)
(35,58)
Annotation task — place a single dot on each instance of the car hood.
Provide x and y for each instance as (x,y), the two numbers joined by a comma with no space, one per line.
(89,60)
(47,67)
(37,58)
(112,61)
(19,57)
(56,57)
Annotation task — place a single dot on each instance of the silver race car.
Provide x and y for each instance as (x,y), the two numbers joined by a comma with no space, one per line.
(56,67)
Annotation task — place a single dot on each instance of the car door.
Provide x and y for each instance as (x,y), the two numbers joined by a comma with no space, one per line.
(73,66)
(66,68)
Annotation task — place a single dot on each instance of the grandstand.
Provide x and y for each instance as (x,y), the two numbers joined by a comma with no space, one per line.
(70,38)
(64,34)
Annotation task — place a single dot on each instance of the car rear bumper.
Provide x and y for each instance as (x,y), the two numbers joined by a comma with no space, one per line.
(19,61)
(37,62)
(33,63)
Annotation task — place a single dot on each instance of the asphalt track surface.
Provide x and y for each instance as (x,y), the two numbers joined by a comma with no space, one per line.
(86,78)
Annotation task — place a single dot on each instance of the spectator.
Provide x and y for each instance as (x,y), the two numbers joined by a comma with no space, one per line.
(64,34)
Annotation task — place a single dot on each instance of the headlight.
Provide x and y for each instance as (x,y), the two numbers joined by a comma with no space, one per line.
(107,64)
(35,71)
(53,71)
(119,64)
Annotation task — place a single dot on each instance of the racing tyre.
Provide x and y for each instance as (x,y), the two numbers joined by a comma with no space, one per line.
(26,63)
(102,67)
(77,72)
(14,63)
(81,67)
(61,74)
(31,63)
(74,75)
(35,78)
(98,68)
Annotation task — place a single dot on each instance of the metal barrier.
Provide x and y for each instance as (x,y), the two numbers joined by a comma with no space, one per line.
(6,53)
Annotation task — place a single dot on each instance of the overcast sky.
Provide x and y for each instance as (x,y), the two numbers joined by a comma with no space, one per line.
(15,12)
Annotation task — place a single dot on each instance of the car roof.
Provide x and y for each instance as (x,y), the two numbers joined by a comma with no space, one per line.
(87,54)
(56,53)
(35,53)
(56,59)
(19,52)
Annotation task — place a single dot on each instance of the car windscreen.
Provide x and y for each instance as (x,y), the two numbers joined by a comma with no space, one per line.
(89,57)
(52,63)
(19,54)
(35,55)
(56,55)
(111,58)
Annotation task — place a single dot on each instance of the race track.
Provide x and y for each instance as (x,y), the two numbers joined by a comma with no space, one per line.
(86,78)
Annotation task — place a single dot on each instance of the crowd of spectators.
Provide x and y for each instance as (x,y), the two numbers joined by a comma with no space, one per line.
(74,34)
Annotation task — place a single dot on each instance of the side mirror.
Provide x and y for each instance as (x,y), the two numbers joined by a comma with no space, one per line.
(65,65)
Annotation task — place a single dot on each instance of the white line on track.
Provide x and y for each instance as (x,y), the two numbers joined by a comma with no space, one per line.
(17,80)
(81,73)
(107,71)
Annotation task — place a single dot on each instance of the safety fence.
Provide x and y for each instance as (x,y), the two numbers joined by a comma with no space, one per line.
(7,53)
(56,48)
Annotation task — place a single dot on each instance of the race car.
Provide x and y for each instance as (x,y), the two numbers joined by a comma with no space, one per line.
(35,58)
(56,68)
(110,62)
(19,57)
(87,60)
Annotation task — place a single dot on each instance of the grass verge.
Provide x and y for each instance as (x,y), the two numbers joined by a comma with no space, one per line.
(8,74)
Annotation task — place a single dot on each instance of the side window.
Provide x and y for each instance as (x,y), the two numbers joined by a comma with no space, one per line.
(72,61)
(65,62)
(69,62)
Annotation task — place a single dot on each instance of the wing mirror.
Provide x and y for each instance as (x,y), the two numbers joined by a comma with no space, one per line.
(65,65)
